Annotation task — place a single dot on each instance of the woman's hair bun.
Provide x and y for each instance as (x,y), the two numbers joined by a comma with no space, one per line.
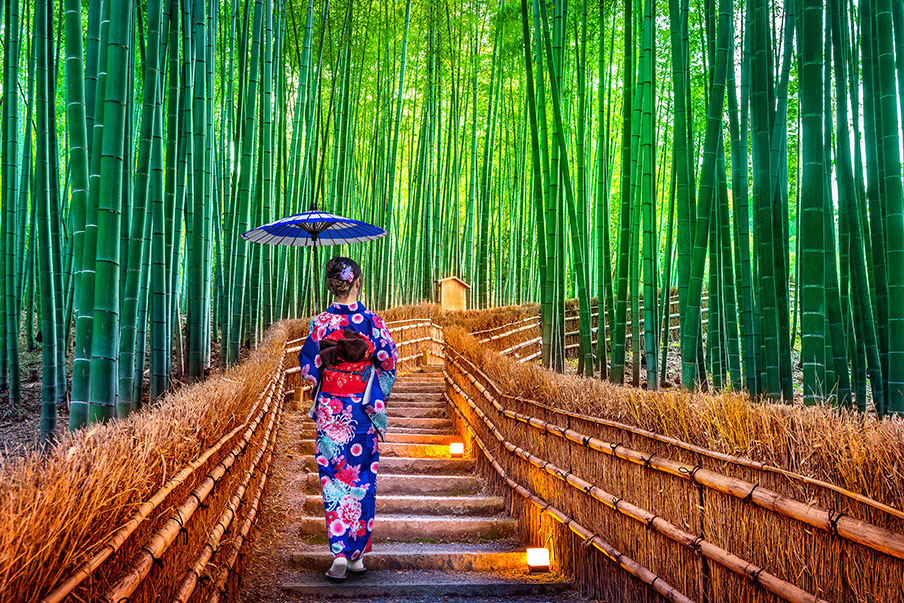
(340,273)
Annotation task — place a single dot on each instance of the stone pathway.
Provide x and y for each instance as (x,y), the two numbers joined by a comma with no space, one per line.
(437,536)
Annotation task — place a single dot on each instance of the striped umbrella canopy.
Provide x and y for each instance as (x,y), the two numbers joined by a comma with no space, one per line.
(314,229)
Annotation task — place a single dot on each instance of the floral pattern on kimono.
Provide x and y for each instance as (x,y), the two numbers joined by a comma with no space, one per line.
(348,430)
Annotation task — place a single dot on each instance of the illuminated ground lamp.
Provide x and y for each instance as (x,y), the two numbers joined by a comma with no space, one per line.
(456,449)
(538,561)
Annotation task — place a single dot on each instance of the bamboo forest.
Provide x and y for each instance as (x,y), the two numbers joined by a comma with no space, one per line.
(713,187)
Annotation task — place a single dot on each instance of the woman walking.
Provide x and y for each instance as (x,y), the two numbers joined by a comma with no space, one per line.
(350,357)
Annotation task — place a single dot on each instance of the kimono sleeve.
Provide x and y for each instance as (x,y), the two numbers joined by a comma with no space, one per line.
(385,356)
(309,358)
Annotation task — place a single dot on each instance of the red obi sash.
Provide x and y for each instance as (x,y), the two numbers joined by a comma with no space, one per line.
(346,379)
(346,364)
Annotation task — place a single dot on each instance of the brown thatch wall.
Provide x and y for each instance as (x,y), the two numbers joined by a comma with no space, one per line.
(849,452)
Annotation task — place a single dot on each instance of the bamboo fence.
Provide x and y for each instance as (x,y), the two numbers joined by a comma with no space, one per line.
(711,525)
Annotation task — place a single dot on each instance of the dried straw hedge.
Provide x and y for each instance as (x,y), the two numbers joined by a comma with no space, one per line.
(58,511)
(693,488)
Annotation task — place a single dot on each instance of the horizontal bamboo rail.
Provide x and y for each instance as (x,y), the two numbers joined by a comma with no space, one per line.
(506,325)
(719,456)
(520,346)
(509,333)
(163,538)
(757,575)
(536,354)
(598,542)
(831,521)
(237,544)
(118,538)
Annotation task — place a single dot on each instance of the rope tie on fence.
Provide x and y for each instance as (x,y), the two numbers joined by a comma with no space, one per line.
(588,541)
(650,521)
(155,561)
(646,461)
(834,516)
(655,578)
(615,501)
(614,447)
(586,441)
(182,529)
(692,475)
(749,497)
(755,576)
(695,544)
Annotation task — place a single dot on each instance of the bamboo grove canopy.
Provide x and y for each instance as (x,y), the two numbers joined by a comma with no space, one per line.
(743,153)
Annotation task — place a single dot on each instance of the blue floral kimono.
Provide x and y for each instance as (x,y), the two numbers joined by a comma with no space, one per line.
(349,424)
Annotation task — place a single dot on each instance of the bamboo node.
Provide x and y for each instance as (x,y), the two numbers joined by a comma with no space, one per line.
(155,561)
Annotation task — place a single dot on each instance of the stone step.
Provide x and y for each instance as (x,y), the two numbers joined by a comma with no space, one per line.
(430,451)
(474,506)
(424,527)
(414,412)
(418,388)
(414,466)
(405,422)
(425,430)
(418,376)
(417,484)
(443,422)
(402,437)
(411,399)
(459,557)
(425,585)
(309,432)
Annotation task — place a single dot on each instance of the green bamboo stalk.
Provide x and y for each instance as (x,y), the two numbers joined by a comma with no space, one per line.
(105,333)
(711,145)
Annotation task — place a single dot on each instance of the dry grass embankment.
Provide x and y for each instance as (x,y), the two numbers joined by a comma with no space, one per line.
(57,510)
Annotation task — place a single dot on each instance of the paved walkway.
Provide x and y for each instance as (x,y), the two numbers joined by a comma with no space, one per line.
(437,535)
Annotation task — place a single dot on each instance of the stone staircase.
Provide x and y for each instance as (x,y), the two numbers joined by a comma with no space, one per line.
(436,533)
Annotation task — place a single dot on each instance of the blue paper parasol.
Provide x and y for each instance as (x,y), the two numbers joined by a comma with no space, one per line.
(314,229)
